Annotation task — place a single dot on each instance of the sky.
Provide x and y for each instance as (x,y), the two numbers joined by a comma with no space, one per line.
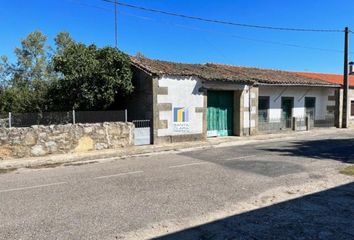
(181,40)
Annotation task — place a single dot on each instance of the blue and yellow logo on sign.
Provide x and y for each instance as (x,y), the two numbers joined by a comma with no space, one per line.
(180,115)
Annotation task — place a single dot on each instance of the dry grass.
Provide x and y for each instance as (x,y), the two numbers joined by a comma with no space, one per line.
(348,170)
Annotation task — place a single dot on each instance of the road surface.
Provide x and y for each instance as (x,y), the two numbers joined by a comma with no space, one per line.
(167,195)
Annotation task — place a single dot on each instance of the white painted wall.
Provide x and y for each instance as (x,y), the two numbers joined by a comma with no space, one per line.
(182,92)
(299,93)
(350,99)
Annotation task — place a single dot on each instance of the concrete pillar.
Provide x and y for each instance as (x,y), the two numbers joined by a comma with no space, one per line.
(246,111)
(238,113)
(339,108)
(254,93)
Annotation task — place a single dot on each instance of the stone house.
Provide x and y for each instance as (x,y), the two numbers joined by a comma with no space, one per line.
(195,101)
(338,79)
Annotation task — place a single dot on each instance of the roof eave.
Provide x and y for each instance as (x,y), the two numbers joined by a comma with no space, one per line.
(299,85)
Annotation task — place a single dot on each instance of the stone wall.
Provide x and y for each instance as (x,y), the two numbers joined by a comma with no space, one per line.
(56,139)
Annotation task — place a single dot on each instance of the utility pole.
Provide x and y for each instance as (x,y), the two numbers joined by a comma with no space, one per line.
(345,80)
(116,23)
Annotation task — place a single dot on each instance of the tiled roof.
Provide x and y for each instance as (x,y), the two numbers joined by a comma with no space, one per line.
(221,72)
(332,78)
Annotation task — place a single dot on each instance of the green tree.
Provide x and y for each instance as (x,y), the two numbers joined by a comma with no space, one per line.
(92,77)
(62,41)
(70,75)
(25,82)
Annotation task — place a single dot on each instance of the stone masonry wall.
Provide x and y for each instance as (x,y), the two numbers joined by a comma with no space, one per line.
(56,139)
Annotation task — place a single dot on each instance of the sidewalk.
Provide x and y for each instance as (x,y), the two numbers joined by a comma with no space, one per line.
(114,154)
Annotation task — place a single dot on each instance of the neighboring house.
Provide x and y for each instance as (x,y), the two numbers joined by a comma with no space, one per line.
(195,101)
(338,79)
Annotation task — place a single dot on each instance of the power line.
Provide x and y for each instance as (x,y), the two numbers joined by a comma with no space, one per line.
(220,21)
(261,41)
(240,37)
(78,2)
(219,33)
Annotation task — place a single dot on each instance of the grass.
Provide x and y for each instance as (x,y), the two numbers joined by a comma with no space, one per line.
(348,170)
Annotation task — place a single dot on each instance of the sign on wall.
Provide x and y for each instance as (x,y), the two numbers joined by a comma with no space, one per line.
(181,119)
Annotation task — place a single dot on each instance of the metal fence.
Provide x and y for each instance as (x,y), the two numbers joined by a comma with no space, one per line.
(303,123)
(300,123)
(100,116)
(325,122)
(141,123)
(50,118)
(274,125)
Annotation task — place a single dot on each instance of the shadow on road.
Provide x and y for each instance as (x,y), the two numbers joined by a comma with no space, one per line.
(324,215)
(334,149)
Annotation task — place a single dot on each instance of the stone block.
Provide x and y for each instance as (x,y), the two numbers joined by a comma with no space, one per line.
(38,150)
(30,138)
(163,124)
(51,146)
(162,91)
(88,129)
(200,109)
(85,144)
(164,106)
(100,146)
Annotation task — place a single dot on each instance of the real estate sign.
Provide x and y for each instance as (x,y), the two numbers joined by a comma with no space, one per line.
(181,120)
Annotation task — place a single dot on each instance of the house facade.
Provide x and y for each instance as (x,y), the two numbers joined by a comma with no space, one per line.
(338,79)
(187,102)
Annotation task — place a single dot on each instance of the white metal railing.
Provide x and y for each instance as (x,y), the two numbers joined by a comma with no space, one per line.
(141,123)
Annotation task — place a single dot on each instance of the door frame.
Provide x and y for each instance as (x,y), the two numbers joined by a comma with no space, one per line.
(287,122)
(230,130)
(292,103)
(314,108)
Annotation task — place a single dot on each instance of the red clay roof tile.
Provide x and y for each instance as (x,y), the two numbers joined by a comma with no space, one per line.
(221,72)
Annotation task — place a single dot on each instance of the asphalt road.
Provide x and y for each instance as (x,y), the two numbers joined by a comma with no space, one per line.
(107,200)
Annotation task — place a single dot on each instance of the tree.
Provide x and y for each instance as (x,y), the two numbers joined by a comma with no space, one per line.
(24,83)
(92,77)
(139,55)
(70,75)
(62,41)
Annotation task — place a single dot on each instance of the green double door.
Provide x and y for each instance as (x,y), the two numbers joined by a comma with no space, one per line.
(220,113)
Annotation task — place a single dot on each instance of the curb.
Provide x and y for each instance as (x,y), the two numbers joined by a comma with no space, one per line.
(134,151)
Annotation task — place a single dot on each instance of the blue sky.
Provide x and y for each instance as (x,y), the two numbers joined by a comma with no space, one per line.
(182,40)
